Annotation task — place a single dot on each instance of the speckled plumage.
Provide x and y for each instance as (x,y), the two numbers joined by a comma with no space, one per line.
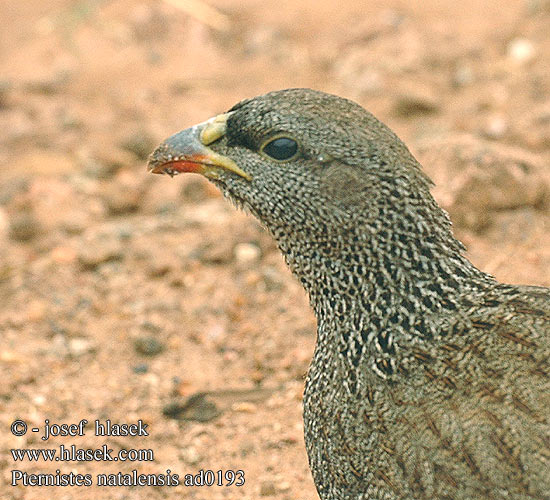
(430,380)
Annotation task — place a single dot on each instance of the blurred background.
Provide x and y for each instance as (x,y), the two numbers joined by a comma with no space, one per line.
(126,296)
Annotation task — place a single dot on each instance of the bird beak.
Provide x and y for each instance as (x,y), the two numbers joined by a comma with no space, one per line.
(188,151)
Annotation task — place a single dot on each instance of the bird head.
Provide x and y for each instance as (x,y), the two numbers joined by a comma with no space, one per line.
(319,171)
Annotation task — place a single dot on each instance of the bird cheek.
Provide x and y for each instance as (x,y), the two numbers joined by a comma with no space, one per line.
(343,185)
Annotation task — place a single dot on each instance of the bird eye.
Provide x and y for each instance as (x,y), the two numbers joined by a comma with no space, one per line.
(281,148)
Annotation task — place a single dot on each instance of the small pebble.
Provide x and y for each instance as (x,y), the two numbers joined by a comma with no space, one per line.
(24,227)
(190,455)
(11,357)
(496,127)
(76,224)
(246,448)
(59,345)
(197,407)
(521,50)
(148,346)
(244,407)
(39,399)
(150,327)
(213,253)
(63,255)
(267,489)
(284,486)
(247,253)
(36,310)
(216,332)
(462,76)
(158,267)
(80,346)
(141,368)
(407,105)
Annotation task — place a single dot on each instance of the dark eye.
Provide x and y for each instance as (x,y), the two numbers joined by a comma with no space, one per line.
(281,148)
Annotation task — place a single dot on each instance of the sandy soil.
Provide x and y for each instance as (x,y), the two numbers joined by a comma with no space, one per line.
(124,294)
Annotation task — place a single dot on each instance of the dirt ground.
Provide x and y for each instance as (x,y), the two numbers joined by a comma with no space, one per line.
(124,294)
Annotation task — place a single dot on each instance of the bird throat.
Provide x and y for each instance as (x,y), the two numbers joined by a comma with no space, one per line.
(375,293)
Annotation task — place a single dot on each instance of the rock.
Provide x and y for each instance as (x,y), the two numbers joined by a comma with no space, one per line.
(216,333)
(59,345)
(244,407)
(257,376)
(150,327)
(476,179)
(159,266)
(415,102)
(141,368)
(197,407)
(190,455)
(216,252)
(267,489)
(496,127)
(148,346)
(76,223)
(36,311)
(284,486)
(246,447)
(24,227)
(521,51)
(247,253)
(11,357)
(63,255)
(79,345)
(462,76)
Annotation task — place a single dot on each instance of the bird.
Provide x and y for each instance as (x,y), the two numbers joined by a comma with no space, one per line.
(429,379)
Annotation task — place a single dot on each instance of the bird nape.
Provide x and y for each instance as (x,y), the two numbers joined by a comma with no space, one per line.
(430,379)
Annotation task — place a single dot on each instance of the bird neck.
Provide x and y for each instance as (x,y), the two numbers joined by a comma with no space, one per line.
(383,276)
